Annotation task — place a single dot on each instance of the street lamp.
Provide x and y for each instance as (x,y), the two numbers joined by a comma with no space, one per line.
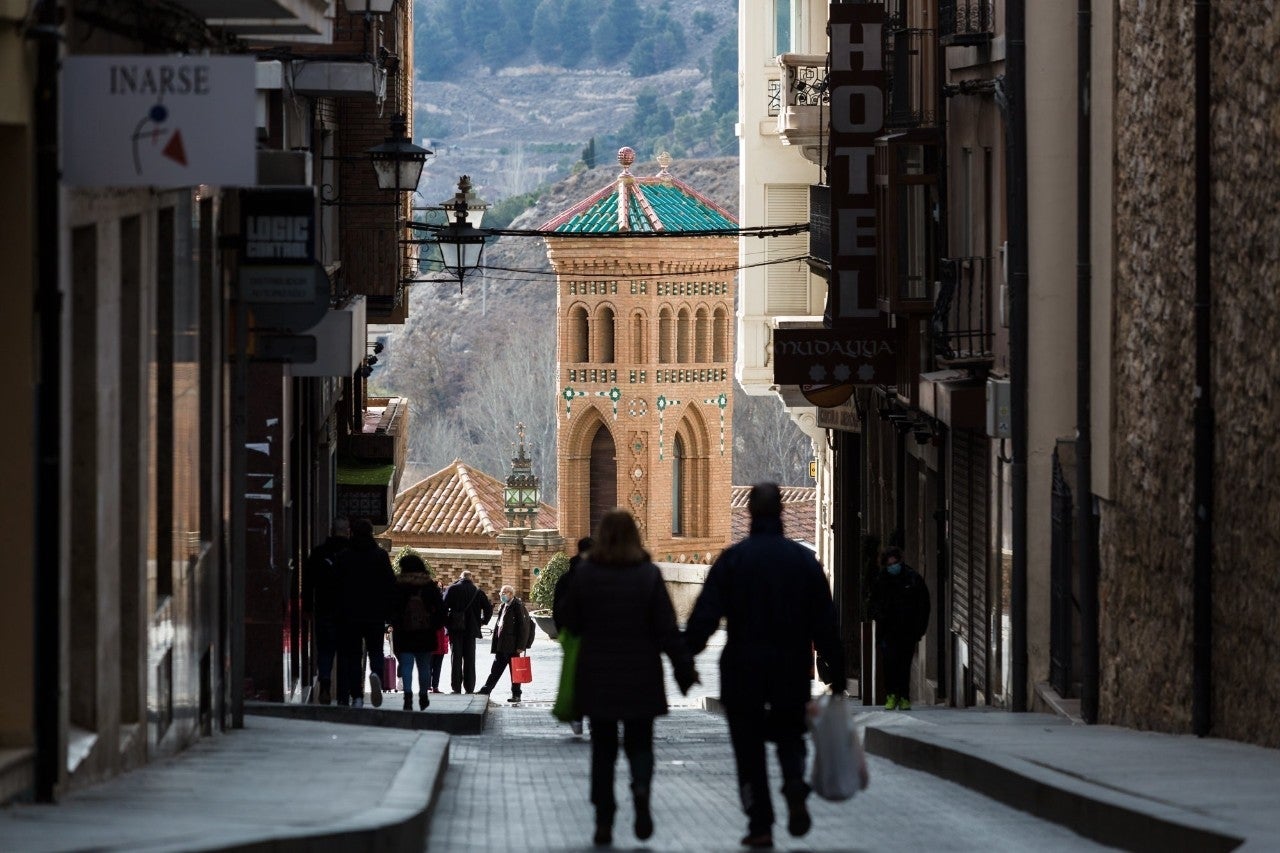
(397,161)
(461,242)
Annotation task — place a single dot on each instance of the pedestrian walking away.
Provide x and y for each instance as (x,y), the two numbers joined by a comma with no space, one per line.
(320,601)
(467,608)
(419,606)
(774,597)
(557,595)
(366,583)
(512,634)
(618,604)
(900,608)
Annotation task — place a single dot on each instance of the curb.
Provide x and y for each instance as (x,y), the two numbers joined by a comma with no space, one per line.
(468,722)
(399,823)
(1108,816)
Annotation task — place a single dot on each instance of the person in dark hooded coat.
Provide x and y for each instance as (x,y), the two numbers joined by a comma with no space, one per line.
(619,606)
(419,612)
(365,583)
(774,595)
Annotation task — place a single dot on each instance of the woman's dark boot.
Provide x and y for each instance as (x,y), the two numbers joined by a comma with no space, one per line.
(424,699)
(644,820)
(604,827)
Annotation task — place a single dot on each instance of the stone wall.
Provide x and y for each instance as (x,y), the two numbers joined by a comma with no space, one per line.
(1146,532)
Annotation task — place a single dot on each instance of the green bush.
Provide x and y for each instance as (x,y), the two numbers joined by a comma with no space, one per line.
(404,552)
(544,589)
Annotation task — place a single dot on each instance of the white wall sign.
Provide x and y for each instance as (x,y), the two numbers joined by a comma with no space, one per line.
(163,121)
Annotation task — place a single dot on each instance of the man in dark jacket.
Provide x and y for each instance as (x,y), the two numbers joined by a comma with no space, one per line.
(512,634)
(468,608)
(775,598)
(366,583)
(320,600)
(900,608)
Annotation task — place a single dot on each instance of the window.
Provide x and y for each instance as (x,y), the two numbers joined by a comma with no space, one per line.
(677,486)
(578,335)
(781,26)
(666,336)
(786,285)
(702,336)
(637,338)
(604,334)
(720,336)
(683,334)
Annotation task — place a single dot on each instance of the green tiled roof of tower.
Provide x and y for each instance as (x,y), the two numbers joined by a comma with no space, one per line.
(657,203)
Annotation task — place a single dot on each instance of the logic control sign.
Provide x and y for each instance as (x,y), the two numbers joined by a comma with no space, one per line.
(158,121)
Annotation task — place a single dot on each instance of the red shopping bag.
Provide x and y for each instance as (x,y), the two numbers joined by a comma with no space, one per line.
(521,670)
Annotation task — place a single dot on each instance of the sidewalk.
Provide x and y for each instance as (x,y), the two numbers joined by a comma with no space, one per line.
(455,714)
(1121,787)
(276,785)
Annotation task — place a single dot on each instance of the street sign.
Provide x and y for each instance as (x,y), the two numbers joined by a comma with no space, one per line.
(282,284)
(266,346)
(161,121)
(861,352)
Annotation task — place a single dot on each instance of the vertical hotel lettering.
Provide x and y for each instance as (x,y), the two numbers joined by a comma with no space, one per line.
(857,85)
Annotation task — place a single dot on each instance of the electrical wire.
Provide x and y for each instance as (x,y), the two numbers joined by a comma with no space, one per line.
(449,278)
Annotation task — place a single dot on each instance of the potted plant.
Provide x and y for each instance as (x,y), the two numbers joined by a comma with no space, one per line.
(544,590)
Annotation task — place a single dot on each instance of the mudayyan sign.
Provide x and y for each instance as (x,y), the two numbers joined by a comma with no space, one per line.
(160,121)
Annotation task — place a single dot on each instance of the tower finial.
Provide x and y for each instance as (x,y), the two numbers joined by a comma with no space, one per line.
(626,156)
(664,161)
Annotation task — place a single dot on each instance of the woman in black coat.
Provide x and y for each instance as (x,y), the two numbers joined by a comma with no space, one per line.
(620,608)
(414,626)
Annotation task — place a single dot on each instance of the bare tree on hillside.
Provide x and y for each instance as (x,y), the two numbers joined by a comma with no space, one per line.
(767,445)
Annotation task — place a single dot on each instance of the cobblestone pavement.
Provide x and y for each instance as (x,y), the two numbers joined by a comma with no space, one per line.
(523,786)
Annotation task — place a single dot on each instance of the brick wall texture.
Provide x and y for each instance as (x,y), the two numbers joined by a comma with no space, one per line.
(668,376)
(1146,533)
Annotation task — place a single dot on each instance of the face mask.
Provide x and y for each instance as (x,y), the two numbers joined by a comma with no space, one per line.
(505,598)
(895,568)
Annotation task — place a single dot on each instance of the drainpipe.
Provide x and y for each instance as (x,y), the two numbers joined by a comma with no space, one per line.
(1016,168)
(1202,584)
(47,567)
(1084,439)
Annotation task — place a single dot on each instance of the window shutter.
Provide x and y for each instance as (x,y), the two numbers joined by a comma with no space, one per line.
(786,284)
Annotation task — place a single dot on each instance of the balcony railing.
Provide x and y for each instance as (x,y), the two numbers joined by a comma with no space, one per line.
(804,101)
(963,23)
(962,328)
(912,59)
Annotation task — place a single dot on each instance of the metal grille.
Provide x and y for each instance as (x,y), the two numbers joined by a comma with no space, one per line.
(1060,582)
(970,578)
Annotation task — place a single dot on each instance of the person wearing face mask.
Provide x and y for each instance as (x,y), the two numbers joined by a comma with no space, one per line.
(900,608)
(512,634)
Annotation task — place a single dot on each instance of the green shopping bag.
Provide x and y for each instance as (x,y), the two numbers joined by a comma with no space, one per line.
(566,707)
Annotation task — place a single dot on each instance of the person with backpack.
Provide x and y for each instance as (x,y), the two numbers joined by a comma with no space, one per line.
(511,636)
(418,610)
(468,608)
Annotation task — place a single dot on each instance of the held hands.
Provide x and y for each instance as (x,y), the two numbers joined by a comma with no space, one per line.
(686,678)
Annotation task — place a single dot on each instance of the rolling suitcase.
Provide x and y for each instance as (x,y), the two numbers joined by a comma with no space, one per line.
(390,666)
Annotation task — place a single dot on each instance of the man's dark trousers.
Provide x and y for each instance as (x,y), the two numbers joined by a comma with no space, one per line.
(326,647)
(462,671)
(896,654)
(749,727)
(501,660)
(351,636)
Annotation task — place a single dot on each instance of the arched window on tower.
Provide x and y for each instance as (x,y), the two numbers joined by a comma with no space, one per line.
(578,337)
(637,338)
(604,334)
(720,335)
(666,336)
(702,336)
(677,486)
(683,335)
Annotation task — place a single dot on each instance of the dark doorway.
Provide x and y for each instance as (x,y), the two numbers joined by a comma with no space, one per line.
(603,476)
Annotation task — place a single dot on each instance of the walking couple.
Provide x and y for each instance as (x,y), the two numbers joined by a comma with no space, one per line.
(775,598)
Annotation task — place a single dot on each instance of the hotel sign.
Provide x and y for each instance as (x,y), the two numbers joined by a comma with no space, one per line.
(857,86)
(858,353)
(158,121)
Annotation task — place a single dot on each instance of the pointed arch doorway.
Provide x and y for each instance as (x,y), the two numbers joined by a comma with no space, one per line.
(603,476)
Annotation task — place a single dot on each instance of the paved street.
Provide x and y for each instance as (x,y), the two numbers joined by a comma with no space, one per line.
(523,785)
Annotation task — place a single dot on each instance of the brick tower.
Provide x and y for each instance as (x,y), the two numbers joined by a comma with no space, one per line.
(645,352)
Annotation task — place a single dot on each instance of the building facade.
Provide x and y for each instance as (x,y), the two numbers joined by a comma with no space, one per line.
(644,350)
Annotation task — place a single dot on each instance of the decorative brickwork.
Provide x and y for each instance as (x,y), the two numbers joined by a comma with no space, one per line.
(645,348)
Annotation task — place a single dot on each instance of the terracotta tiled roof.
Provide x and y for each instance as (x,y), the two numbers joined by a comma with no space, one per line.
(799,512)
(658,203)
(457,500)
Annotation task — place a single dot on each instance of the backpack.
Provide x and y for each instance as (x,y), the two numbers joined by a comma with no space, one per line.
(531,629)
(416,617)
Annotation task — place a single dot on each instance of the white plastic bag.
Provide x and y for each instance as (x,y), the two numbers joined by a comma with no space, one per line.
(839,764)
